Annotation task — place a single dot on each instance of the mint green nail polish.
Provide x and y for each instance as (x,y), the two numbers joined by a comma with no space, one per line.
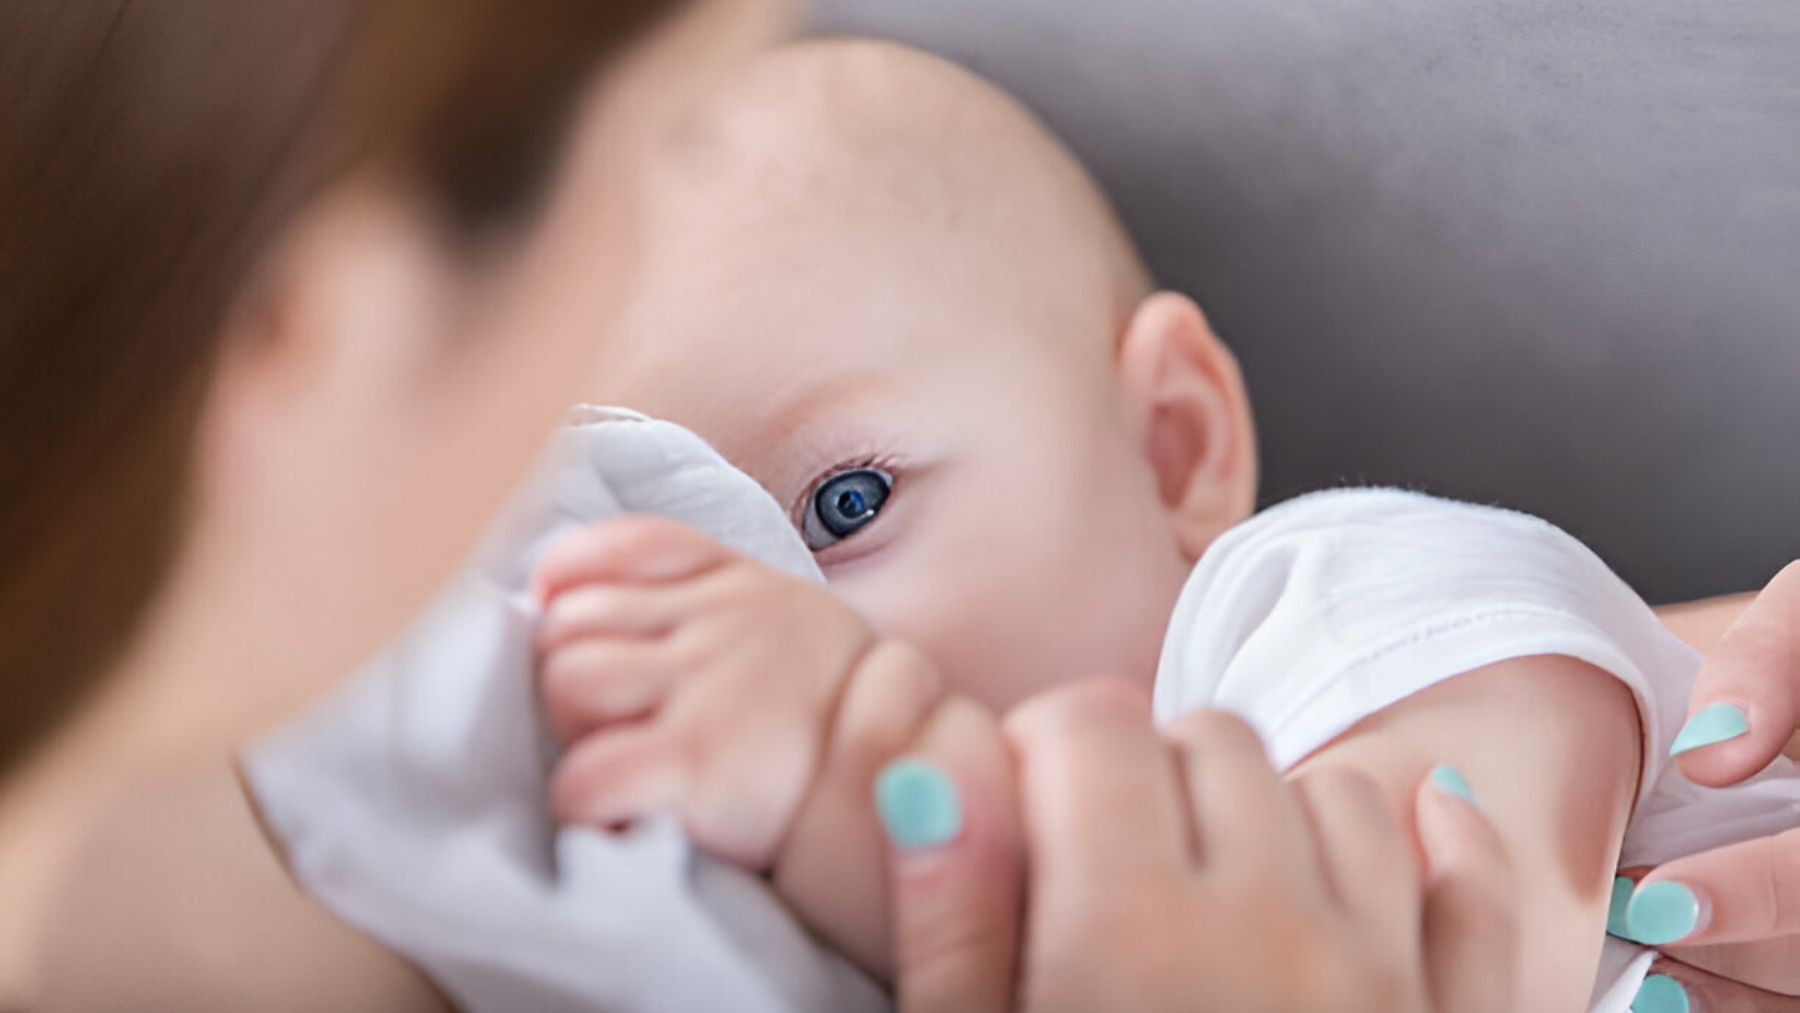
(1660,994)
(918,804)
(1662,913)
(1615,911)
(1451,780)
(1713,724)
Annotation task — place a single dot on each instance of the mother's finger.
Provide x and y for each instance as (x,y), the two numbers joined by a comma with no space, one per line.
(1367,856)
(1746,699)
(1675,987)
(1245,816)
(957,865)
(1472,926)
(1098,785)
(1772,964)
(1744,891)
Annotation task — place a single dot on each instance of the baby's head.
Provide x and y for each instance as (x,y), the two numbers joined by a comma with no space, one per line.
(876,284)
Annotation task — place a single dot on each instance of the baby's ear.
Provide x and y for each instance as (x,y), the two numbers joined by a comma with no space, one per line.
(1192,415)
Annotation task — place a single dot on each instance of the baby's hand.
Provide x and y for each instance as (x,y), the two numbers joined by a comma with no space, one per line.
(685,678)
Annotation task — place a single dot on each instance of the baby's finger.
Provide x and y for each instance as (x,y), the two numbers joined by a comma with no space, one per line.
(639,548)
(592,683)
(621,775)
(1472,943)
(1739,892)
(1746,700)
(754,758)
(1245,816)
(611,610)
(1367,854)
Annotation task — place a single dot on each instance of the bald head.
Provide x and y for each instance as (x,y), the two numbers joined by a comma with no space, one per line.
(871,138)
(867,265)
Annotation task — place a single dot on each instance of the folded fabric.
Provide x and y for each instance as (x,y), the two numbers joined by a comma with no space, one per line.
(412,802)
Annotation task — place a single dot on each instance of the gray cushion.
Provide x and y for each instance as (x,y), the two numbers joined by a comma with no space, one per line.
(1541,253)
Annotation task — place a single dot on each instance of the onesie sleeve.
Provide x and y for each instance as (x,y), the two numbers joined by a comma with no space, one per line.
(1328,608)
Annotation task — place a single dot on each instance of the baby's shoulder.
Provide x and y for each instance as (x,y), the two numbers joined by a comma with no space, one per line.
(1385,515)
(1378,555)
(1327,607)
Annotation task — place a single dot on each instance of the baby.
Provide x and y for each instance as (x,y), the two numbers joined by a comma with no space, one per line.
(880,288)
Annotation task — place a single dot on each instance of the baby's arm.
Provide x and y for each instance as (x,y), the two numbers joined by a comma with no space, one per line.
(1551,746)
(752,704)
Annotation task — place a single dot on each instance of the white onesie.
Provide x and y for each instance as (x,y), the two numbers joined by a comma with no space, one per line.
(1321,611)
(411,803)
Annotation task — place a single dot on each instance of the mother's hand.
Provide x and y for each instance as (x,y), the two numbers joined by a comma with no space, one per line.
(1736,910)
(1180,872)
(1678,986)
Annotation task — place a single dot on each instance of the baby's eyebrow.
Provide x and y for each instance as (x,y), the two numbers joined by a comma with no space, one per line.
(831,396)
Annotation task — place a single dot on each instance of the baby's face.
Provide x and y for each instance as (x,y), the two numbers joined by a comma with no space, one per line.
(951,444)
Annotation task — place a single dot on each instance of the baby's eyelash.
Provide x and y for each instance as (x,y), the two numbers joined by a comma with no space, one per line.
(880,462)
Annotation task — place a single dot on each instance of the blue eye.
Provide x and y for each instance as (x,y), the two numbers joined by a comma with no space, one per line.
(844,504)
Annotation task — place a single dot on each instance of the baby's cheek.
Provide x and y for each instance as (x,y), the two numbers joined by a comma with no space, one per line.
(1011,608)
(1002,648)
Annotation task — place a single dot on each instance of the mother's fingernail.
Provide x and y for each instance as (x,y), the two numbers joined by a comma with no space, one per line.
(1615,911)
(1712,724)
(1662,913)
(1449,779)
(918,803)
(1660,994)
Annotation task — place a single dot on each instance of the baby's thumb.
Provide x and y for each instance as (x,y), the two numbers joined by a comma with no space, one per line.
(1471,929)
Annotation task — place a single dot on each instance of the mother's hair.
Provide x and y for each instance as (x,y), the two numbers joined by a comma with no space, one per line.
(149,155)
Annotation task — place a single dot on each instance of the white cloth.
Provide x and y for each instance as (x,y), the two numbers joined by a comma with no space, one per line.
(411,803)
(1321,611)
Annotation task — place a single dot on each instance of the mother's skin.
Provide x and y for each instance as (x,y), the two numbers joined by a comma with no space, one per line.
(1748,894)
(294,290)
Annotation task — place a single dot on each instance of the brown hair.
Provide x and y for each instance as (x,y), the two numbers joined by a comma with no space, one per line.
(149,152)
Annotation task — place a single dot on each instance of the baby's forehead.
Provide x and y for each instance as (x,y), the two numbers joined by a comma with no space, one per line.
(859,207)
(774,364)
(857,143)
(797,193)
(750,314)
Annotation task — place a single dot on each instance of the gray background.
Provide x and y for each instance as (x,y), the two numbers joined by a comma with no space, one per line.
(1540,254)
